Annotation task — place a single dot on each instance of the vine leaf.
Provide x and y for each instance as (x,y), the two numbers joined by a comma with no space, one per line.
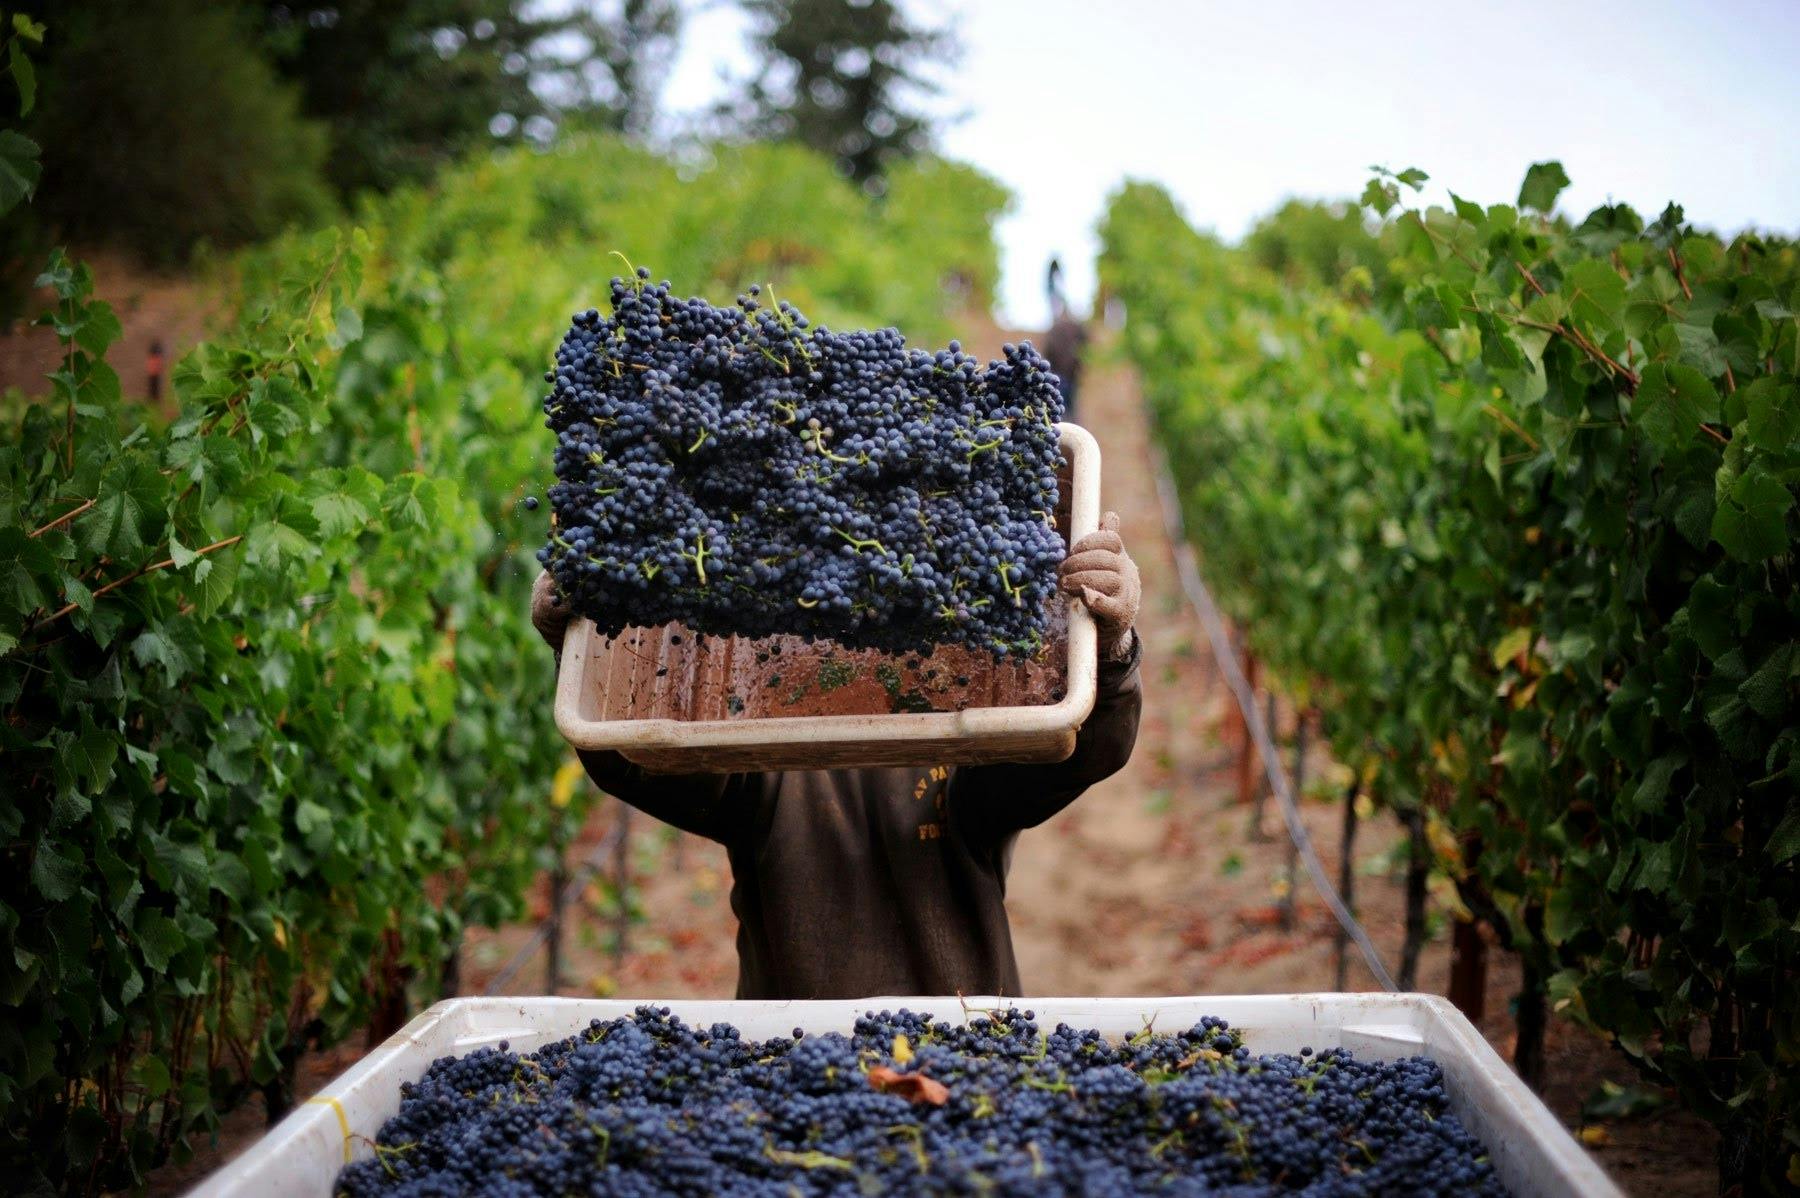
(1596,293)
(155,646)
(1672,401)
(181,555)
(1784,841)
(123,519)
(1766,690)
(338,513)
(1511,645)
(22,562)
(57,877)
(1772,413)
(1751,522)
(159,938)
(215,586)
(19,169)
(1543,183)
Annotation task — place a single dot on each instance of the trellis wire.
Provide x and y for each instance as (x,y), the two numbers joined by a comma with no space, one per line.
(590,865)
(1202,602)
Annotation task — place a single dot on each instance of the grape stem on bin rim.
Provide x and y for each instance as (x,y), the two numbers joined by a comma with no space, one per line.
(1202,602)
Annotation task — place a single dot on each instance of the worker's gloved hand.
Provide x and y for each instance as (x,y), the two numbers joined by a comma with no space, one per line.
(1106,579)
(548,616)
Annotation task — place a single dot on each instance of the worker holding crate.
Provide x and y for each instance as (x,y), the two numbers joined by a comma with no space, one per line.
(852,883)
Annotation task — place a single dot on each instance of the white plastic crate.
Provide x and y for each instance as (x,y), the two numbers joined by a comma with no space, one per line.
(1534,1154)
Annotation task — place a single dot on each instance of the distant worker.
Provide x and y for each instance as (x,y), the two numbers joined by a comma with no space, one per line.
(1063,346)
(1053,290)
(153,369)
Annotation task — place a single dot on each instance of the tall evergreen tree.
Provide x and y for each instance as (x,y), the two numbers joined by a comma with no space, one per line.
(163,125)
(846,77)
(636,47)
(408,84)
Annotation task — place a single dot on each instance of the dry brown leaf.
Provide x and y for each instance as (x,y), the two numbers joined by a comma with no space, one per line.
(914,1087)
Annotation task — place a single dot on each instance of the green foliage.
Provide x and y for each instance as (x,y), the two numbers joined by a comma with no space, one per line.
(520,240)
(1305,241)
(278,727)
(19,166)
(199,850)
(163,126)
(1522,521)
(843,77)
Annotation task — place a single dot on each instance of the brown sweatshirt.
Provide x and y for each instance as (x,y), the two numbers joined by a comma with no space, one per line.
(858,883)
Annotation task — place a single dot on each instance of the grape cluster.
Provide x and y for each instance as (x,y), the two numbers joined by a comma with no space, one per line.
(739,470)
(649,1105)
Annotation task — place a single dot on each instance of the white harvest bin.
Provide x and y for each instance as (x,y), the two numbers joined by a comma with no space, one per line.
(1534,1155)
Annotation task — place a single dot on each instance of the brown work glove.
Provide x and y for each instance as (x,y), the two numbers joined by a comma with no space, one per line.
(1106,579)
(548,616)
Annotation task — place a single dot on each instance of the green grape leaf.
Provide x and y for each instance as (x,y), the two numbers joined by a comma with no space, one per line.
(55,874)
(275,543)
(1515,642)
(23,76)
(1653,784)
(1712,616)
(153,1075)
(348,327)
(1784,841)
(98,330)
(1751,522)
(85,759)
(1379,195)
(24,562)
(125,514)
(77,592)
(1700,349)
(157,647)
(1544,181)
(229,876)
(1596,293)
(338,513)
(1671,403)
(213,587)
(1693,515)
(160,939)
(19,169)
(1766,690)
(1772,412)
(181,555)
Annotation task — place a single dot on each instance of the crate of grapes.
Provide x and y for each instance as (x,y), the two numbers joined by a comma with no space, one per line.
(1359,1093)
(670,700)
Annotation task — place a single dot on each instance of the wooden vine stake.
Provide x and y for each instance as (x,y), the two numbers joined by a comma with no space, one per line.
(1418,872)
(621,871)
(1468,969)
(1293,847)
(1346,883)
(1247,755)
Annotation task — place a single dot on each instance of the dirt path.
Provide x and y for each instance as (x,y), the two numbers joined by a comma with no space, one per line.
(170,311)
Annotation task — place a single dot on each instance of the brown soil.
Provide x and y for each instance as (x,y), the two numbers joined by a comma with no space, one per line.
(1154,883)
(152,308)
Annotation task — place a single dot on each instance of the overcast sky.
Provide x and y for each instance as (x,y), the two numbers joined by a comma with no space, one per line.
(1237,106)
